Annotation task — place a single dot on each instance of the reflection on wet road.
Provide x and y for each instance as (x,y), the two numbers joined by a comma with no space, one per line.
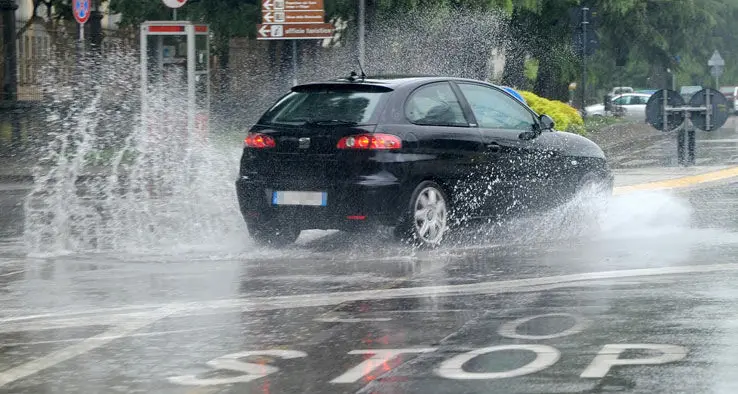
(644,303)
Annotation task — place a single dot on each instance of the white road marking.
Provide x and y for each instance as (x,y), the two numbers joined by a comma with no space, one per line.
(124,328)
(137,335)
(509,329)
(379,357)
(328,299)
(453,368)
(609,356)
(350,319)
(230,362)
(11,273)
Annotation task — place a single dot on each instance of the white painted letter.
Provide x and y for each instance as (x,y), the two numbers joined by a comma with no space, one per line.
(452,368)
(379,356)
(608,356)
(509,329)
(251,371)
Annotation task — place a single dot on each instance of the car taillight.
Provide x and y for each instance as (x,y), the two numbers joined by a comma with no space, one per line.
(370,142)
(259,141)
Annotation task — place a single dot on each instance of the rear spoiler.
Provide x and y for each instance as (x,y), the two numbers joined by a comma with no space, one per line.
(341,87)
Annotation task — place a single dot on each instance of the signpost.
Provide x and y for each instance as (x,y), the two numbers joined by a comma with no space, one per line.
(717,65)
(81,10)
(707,110)
(293,20)
(174,4)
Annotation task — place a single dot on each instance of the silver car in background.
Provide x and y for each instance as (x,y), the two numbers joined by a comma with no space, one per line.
(630,106)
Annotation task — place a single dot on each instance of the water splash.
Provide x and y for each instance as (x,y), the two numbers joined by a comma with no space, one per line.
(106,182)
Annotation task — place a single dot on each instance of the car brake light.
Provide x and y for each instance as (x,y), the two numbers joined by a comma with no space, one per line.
(370,142)
(259,141)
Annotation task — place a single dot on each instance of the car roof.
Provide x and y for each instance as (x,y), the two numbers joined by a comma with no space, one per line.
(390,81)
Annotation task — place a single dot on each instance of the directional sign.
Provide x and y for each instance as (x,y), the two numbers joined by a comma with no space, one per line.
(81,10)
(294,32)
(282,17)
(292,5)
(716,60)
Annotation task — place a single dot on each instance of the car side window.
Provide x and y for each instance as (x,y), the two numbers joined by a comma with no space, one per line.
(435,105)
(495,109)
(622,100)
(637,100)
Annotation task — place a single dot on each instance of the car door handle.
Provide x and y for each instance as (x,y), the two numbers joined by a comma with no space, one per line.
(494,147)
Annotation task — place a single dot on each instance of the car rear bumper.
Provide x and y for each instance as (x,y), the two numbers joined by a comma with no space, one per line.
(349,205)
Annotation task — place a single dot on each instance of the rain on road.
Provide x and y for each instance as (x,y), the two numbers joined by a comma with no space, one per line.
(645,304)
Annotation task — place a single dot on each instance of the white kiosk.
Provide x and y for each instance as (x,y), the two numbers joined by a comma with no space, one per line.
(175,69)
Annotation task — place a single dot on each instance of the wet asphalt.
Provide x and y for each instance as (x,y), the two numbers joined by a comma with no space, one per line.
(645,302)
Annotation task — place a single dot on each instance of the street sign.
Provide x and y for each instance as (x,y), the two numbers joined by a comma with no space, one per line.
(81,10)
(293,20)
(716,71)
(281,17)
(174,3)
(655,110)
(718,109)
(716,60)
(292,5)
(294,31)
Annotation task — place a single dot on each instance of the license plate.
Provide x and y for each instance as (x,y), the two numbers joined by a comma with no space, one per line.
(300,198)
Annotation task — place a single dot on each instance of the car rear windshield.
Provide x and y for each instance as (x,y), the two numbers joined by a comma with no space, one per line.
(727,89)
(351,104)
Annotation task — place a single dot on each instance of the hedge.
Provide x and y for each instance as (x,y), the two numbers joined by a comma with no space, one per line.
(566,118)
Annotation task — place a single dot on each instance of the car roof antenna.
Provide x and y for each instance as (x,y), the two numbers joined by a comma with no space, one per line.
(363,76)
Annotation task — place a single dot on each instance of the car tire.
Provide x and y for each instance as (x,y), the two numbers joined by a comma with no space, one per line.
(272,236)
(425,221)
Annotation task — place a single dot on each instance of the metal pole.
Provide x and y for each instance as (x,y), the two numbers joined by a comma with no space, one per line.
(584,59)
(174,14)
(9,87)
(81,34)
(673,81)
(691,145)
(362,17)
(294,62)
(680,144)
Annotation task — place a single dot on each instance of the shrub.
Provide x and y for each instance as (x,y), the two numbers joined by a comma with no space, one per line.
(565,116)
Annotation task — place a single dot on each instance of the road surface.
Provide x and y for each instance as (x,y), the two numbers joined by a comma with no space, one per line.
(645,303)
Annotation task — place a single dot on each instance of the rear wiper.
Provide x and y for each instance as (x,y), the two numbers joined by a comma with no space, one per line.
(327,122)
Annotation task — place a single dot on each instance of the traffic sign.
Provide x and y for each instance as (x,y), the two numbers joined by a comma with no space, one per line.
(294,31)
(174,3)
(81,10)
(716,60)
(718,107)
(655,110)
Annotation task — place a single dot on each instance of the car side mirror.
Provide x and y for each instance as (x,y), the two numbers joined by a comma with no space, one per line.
(547,123)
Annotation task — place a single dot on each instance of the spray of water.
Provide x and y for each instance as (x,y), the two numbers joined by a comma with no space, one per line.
(106,181)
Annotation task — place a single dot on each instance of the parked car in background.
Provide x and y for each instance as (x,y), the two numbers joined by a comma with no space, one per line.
(730,93)
(631,106)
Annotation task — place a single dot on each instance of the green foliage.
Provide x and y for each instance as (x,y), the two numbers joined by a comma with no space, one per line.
(531,70)
(565,116)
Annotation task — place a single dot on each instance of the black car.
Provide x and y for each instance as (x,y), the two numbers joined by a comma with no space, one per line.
(416,153)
